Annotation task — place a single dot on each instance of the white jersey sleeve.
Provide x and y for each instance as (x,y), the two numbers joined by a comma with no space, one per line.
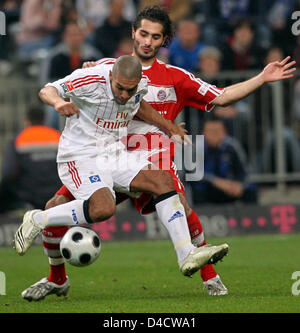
(82,82)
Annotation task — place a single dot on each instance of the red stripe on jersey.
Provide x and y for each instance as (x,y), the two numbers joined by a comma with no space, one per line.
(86,77)
(89,78)
(106,61)
(89,82)
(73,177)
(74,173)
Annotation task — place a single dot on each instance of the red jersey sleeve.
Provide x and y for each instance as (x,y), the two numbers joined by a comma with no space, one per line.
(193,91)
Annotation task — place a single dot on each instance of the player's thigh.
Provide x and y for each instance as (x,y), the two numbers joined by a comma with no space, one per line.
(152,180)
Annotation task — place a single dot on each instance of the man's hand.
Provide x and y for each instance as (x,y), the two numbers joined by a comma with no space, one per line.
(276,70)
(179,134)
(230,187)
(66,109)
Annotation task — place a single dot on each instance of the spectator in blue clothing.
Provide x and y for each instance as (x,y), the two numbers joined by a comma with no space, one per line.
(225,168)
(185,48)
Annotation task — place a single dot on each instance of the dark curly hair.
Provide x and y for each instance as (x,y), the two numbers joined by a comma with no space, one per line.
(156,14)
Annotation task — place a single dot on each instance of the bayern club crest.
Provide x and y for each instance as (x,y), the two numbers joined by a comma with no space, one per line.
(161,95)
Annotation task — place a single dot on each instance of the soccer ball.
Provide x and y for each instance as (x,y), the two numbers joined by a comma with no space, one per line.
(80,246)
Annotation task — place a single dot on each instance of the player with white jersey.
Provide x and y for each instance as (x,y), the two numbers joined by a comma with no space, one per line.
(102,101)
(170,89)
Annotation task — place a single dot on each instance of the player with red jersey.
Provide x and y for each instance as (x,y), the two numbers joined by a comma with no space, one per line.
(170,89)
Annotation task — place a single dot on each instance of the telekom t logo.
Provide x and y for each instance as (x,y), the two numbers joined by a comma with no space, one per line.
(284,216)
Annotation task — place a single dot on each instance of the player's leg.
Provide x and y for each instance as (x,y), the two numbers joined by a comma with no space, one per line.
(95,202)
(168,206)
(172,214)
(57,281)
(211,279)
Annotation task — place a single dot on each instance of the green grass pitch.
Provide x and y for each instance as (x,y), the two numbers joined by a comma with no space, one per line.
(143,277)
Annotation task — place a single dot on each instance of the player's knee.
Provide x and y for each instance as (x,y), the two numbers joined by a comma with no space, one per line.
(100,213)
(56,200)
(100,210)
(100,206)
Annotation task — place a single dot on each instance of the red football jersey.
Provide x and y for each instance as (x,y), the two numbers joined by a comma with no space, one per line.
(170,89)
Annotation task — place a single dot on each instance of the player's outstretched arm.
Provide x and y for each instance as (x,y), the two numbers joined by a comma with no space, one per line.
(274,71)
(50,96)
(151,116)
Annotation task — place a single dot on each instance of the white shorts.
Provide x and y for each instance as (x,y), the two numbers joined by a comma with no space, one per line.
(84,177)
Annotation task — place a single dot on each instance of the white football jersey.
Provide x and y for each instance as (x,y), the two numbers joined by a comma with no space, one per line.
(100,116)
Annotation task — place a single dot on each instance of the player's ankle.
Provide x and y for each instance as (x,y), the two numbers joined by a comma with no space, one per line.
(58,280)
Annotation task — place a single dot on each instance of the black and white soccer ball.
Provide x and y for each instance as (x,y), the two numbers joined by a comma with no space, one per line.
(80,246)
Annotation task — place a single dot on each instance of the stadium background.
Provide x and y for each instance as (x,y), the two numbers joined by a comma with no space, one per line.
(266,123)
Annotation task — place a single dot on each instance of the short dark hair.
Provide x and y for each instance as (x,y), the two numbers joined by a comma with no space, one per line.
(128,66)
(156,14)
(244,22)
(36,115)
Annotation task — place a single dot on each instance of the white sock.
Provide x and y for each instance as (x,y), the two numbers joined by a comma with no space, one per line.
(172,215)
(67,214)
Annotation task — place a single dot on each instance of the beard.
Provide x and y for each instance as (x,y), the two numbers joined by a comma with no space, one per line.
(136,46)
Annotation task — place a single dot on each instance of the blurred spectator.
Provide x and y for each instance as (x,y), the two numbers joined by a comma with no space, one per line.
(274,53)
(114,29)
(230,10)
(40,20)
(280,22)
(68,55)
(210,60)
(69,14)
(219,16)
(240,51)
(125,47)
(178,9)
(292,151)
(95,12)
(62,60)
(225,168)
(296,52)
(292,147)
(186,47)
(235,117)
(29,170)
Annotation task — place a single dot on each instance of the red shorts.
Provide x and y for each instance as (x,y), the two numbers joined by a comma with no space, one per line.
(163,160)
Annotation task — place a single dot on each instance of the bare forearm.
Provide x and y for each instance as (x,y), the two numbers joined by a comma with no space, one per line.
(239,91)
(49,95)
(274,71)
(151,116)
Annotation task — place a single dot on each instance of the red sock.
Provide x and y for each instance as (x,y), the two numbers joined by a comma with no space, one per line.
(51,239)
(207,272)
(57,274)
